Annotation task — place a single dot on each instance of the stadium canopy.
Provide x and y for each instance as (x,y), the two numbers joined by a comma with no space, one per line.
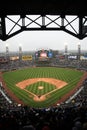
(35,15)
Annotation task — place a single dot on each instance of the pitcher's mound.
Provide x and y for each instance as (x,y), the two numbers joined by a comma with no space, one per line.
(40,87)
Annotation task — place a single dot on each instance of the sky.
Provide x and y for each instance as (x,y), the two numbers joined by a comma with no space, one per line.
(35,40)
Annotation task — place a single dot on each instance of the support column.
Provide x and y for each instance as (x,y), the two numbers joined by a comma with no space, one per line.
(43,21)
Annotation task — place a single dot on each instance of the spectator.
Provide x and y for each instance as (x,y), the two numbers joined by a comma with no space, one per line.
(28,127)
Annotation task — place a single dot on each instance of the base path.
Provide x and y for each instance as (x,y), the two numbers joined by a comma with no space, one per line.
(58,83)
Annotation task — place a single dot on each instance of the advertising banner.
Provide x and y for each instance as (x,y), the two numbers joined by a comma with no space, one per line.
(14,58)
(83,57)
(27,57)
(74,57)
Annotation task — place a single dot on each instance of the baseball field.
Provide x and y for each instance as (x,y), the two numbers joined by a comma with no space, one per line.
(41,86)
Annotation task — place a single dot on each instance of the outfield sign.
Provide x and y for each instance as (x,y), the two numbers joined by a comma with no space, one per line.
(72,57)
(83,57)
(27,57)
(14,58)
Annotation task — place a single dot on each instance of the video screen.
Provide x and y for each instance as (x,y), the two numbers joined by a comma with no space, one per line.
(50,54)
(43,54)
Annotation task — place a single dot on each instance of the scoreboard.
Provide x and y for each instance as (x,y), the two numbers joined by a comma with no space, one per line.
(43,55)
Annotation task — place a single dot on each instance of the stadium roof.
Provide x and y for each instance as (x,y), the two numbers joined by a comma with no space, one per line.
(44,8)
(67,7)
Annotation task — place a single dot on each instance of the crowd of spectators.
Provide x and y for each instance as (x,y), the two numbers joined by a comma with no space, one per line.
(78,64)
(17,64)
(70,115)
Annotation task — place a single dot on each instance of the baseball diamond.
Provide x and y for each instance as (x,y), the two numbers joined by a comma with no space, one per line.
(42,86)
(58,83)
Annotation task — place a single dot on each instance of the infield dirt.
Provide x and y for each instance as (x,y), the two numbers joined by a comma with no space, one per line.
(58,83)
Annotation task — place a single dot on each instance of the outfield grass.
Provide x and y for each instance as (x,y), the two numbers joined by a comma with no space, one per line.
(68,75)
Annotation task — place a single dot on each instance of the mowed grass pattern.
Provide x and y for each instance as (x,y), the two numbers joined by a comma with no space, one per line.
(70,76)
(34,88)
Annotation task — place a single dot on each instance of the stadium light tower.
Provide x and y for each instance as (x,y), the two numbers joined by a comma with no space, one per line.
(66,50)
(79,50)
(7,52)
(20,52)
